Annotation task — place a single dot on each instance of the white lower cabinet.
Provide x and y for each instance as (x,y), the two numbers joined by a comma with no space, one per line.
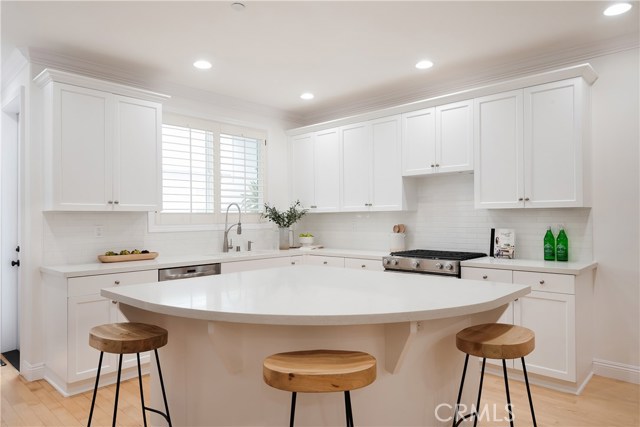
(558,311)
(73,307)
(364,264)
(257,264)
(329,261)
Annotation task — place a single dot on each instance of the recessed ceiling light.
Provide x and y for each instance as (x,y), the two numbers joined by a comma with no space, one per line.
(424,64)
(237,6)
(202,64)
(617,9)
(307,95)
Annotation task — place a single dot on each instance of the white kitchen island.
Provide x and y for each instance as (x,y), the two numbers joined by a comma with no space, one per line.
(222,327)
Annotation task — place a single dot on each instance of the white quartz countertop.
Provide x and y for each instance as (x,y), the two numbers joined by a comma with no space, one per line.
(574,268)
(314,295)
(162,261)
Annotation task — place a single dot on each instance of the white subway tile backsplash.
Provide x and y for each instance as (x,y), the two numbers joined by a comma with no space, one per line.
(445,219)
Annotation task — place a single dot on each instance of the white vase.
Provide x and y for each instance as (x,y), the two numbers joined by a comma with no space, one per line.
(283,237)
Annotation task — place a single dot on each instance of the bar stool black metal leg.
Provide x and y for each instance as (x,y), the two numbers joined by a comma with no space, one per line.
(95,389)
(506,387)
(348,408)
(526,381)
(144,413)
(293,408)
(164,394)
(477,408)
(455,410)
(115,405)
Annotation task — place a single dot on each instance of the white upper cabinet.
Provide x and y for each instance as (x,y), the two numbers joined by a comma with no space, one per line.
(438,140)
(316,170)
(531,147)
(419,142)
(356,167)
(101,149)
(498,178)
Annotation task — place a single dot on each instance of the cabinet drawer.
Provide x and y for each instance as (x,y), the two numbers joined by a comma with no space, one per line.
(329,261)
(546,282)
(489,274)
(88,285)
(364,264)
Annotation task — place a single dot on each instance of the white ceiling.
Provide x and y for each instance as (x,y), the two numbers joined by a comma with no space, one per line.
(344,52)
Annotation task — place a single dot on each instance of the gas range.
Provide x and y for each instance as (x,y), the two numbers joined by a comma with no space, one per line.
(445,263)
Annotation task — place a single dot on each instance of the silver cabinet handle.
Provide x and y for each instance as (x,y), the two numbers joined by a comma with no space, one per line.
(542,282)
(117,282)
(484,276)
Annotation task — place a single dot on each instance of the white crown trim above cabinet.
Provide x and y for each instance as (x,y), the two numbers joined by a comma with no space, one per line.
(102,149)
(532,147)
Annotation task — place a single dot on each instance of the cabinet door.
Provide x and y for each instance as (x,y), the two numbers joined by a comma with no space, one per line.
(303,174)
(326,161)
(356,167)
(552,318)
(137,154)
(418,142)
(81,153)
(328,261)
(454,137)
(498,151)
(387,191)
(85,312)
(364,264)
(553,144)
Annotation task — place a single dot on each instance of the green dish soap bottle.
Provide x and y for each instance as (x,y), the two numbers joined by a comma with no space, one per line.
(549,246)
(562,245)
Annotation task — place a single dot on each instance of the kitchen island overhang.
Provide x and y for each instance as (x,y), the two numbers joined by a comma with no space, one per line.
(221,327)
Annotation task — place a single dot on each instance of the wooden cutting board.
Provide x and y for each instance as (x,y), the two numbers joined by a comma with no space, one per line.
(122,258)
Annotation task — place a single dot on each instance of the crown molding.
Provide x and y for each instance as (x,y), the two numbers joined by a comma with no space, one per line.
(481,76)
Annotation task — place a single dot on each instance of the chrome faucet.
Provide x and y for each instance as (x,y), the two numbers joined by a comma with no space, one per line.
(225,244)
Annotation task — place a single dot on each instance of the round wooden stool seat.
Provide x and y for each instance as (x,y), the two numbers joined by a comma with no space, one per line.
(496,341)
(125,338)
(319,371)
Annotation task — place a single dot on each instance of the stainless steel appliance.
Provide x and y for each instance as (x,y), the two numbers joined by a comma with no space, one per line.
(188,272)
(445,263)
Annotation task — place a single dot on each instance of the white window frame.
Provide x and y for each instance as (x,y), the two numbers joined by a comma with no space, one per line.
(172,222)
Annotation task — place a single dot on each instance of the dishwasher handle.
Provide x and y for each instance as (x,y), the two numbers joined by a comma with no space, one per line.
(188,272)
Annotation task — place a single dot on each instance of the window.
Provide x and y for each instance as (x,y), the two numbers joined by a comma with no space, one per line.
(206,166)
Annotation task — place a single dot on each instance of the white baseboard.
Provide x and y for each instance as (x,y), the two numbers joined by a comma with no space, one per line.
(31,372)
(617,371)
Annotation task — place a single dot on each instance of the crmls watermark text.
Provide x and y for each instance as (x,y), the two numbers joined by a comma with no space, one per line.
(444,412)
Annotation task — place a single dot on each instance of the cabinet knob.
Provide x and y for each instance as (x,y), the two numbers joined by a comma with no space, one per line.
(313,207)
(542,282)
(484,276)
(437,165)
(117,282)
(114,302)
(325,262)
(110,202)
(433,166)
(520,199)
(116,202)
(293,263)
(526,199)
(363,266)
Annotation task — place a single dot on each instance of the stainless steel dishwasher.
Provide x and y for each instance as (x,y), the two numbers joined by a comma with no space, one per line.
(188,272)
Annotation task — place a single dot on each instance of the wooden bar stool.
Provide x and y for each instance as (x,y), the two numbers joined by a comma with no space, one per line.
(494,341)
(320,371)
(128,338)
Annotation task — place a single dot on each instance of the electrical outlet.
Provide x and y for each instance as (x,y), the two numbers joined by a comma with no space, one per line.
(99,231)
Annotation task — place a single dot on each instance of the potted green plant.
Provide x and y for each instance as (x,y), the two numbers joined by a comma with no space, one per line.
(284,220)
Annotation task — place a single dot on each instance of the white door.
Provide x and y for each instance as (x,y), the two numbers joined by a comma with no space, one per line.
(137,154)
(356,167)
(552,144)
(10,224)
(498,151)
(419,142)
(326,160)
(302,170)
(387,173)
(454,137)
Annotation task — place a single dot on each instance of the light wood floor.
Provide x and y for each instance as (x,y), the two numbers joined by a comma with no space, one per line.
(604,403)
